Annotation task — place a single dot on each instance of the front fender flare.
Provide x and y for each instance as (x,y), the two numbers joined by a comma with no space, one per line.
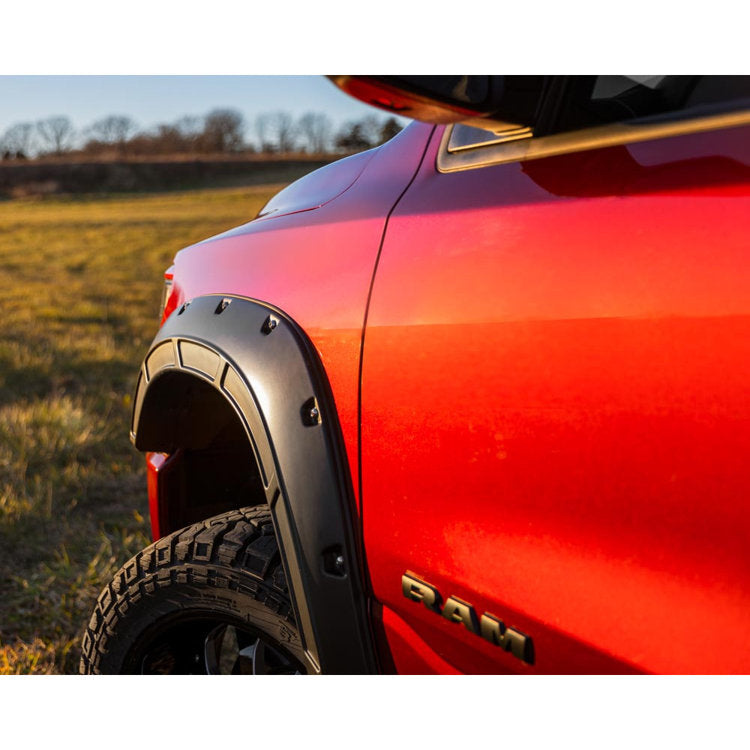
(264,365)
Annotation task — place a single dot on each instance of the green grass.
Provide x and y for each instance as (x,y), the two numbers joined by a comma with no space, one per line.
(81,283)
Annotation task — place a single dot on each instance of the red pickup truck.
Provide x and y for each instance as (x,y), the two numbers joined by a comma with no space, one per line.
(475,401)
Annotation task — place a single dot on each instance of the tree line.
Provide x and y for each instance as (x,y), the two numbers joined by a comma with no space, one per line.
(221,131)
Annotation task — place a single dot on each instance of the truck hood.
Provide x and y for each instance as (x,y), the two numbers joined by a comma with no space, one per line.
(317,188)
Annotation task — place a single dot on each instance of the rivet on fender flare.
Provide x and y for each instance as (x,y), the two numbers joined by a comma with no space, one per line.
(269,324)
(223,305)
(310,412)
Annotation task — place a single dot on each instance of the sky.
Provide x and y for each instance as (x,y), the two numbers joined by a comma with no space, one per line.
(150,100)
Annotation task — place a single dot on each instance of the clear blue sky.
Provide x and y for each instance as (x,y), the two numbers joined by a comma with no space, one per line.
(150,100)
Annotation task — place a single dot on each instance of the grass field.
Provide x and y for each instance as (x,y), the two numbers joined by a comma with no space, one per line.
(81,283)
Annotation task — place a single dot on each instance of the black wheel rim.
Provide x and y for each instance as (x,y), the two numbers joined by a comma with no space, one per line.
(209,646)
(229,650)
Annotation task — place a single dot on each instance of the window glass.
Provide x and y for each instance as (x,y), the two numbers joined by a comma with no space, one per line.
(597,100)
(592,101)
(606,87)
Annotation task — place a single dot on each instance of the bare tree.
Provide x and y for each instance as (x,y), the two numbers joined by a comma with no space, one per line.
(280,131)
(190,128)
(352,137)
(168,139)
(316,130)
(223,131)
(370,129)
(366,133)
(114,130)
(183,136)
(56,133)
(389,129)
(18,140)
(262,129)
(285,132)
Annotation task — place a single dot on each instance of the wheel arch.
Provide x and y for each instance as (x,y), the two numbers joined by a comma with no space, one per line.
(232,355)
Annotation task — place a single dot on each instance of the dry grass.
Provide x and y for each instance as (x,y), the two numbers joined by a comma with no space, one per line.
(81,283)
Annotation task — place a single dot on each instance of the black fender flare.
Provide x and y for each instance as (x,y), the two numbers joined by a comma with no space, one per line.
(264,365)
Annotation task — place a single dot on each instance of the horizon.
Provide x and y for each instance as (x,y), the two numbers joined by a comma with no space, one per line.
(154,100)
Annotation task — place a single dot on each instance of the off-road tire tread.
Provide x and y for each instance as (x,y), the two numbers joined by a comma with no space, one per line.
(235,550)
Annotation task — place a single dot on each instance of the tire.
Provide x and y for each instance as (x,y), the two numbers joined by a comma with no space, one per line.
(208,599)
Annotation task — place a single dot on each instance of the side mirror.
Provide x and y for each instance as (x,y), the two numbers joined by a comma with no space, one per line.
(497,103)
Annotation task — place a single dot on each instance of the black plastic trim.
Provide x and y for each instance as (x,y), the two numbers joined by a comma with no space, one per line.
(273,378)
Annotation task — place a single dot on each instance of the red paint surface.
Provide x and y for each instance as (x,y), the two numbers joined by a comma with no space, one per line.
(413,655)
(315,265)
(556,415)
(154,463)
(555,412)
(319,187)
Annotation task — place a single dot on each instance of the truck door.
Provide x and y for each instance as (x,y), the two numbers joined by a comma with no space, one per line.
(554,407)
